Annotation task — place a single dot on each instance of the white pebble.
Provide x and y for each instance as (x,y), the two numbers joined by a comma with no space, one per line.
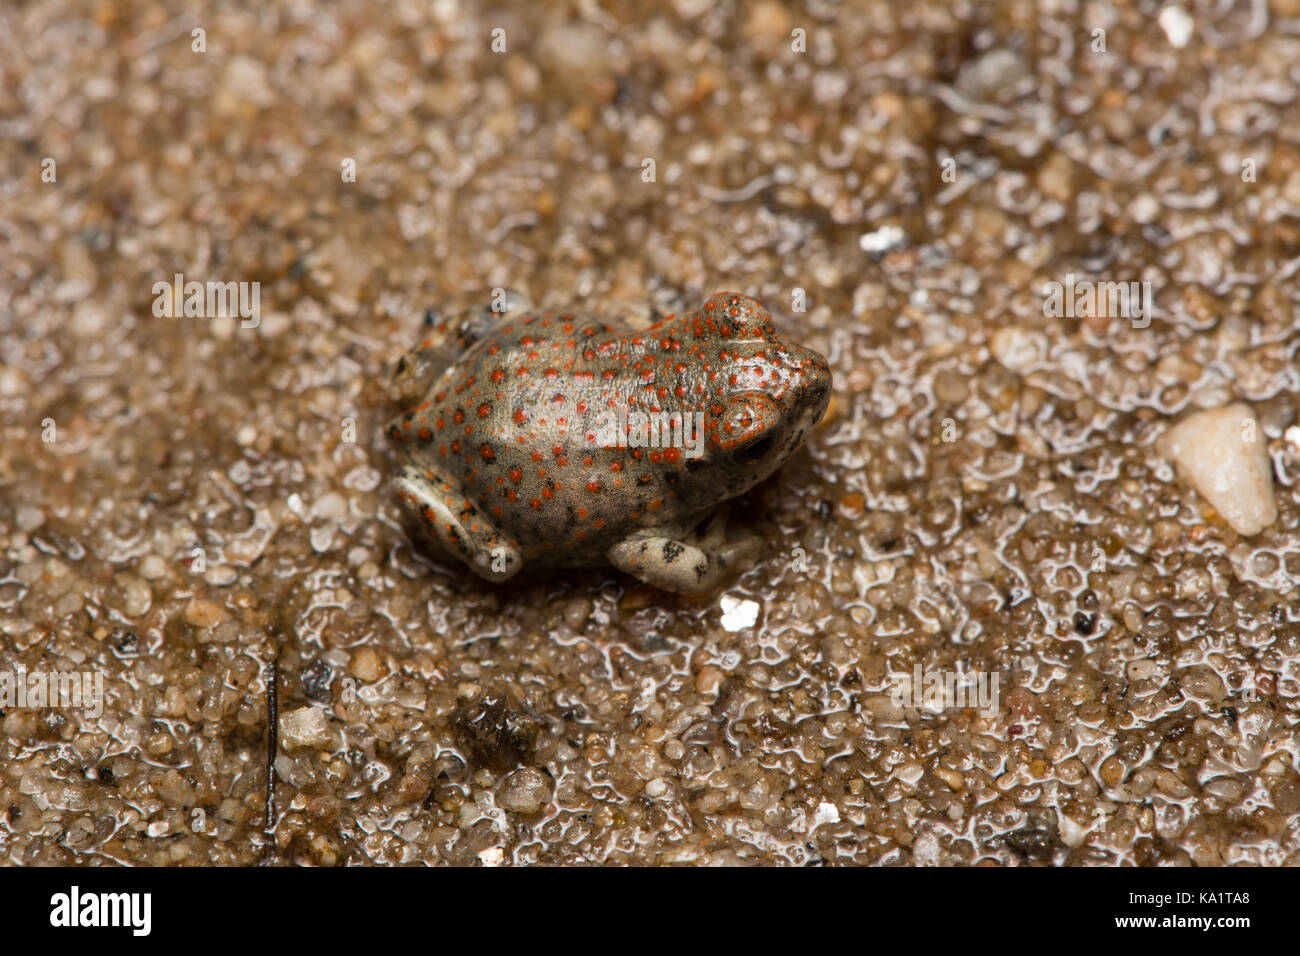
(1015,349)
(330,505)
(153,567)
(1221,453)
(1177,24)
(28,518)
(738,613)
(824,814)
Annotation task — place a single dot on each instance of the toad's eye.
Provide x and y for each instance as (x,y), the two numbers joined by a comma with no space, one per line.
(757,450)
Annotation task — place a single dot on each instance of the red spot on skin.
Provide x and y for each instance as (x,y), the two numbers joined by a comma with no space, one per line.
(537,456)
(588,460)
(442,450)
(512,495)
(498,376)
(673,455)
(458,417)
(407,425)
(442,422)
(487,452)
(484,410)
(582,513)
(617,466)
(516,474)
(536,503)
(455,448)
(593,485)
(548,492)
(426,434)
(521,416)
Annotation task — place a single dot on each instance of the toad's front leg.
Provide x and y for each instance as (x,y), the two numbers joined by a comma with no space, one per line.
(659,557)
(457,524)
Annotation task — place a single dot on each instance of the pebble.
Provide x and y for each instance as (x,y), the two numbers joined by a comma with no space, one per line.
(1291,189)
(153,568)
(993,76)
(367,665)
(129,595)
(524,791)
(330,506)
(28,519)
(1016,349)
(305,727)
(738,613)
(1232,474)
(200,612)
(1177,24)
(709,679)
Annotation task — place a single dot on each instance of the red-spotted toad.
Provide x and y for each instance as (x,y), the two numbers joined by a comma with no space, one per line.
(560,440)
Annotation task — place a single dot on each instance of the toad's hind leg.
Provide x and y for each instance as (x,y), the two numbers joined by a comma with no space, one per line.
(457,524)
(446,340)
(663,560)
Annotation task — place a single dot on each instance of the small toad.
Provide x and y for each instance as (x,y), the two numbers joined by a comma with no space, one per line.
(561,440)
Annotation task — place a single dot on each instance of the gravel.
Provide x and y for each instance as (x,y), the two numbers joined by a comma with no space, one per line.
(184,500)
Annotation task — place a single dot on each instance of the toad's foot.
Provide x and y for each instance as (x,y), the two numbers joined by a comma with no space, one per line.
(458,524)
(447,339)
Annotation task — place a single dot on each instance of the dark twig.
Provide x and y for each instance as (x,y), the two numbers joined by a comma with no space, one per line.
(272,740)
